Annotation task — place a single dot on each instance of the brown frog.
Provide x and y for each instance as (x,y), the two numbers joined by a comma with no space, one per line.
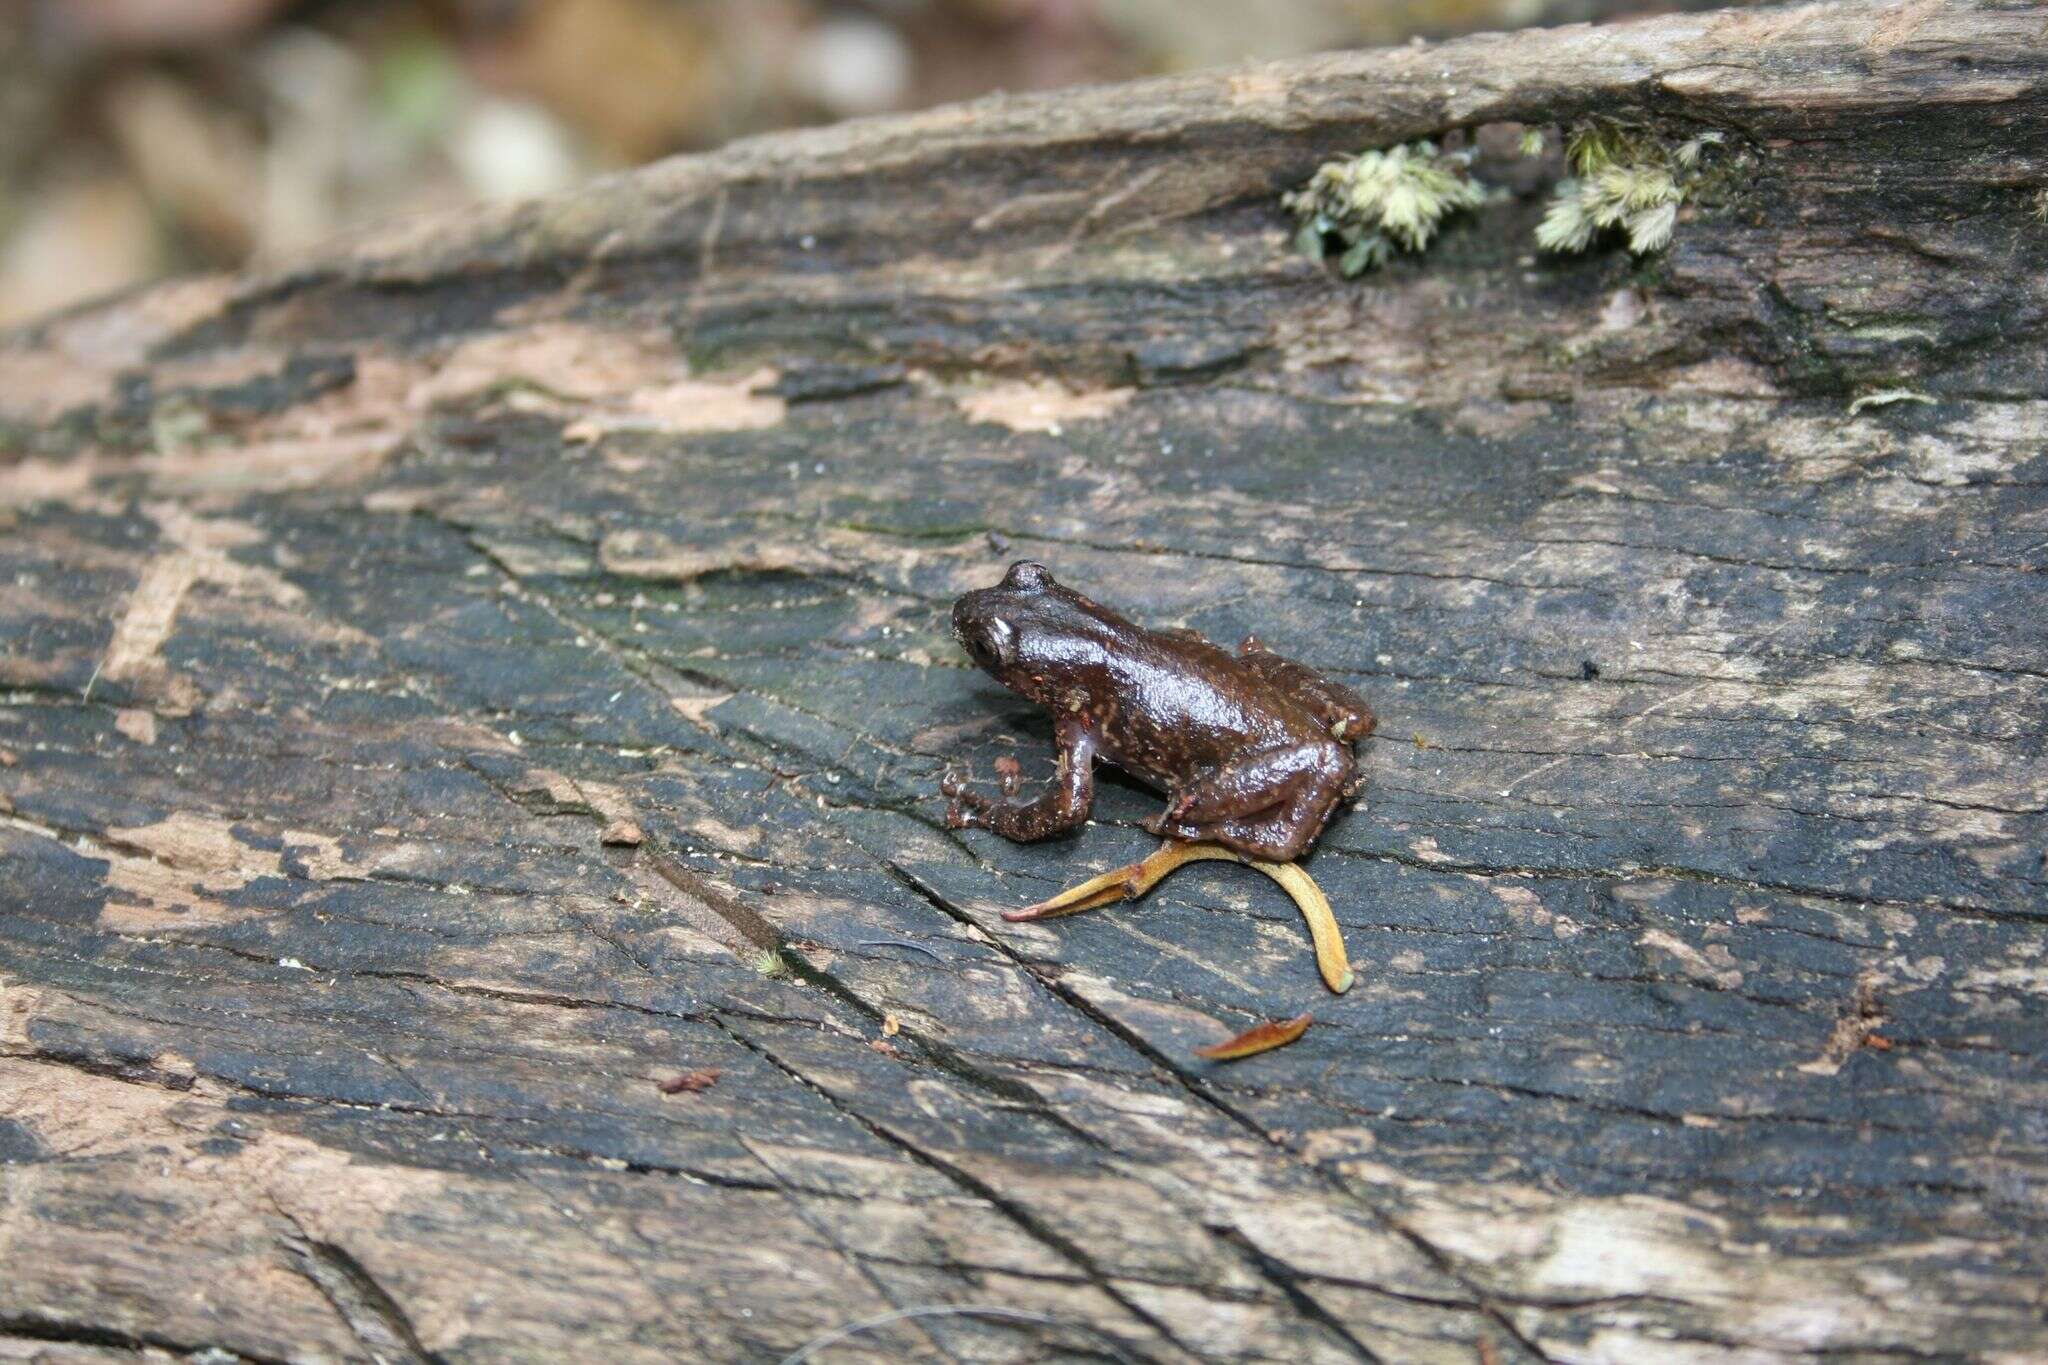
(1253,750)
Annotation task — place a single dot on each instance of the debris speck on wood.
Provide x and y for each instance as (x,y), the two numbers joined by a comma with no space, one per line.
(691,1082)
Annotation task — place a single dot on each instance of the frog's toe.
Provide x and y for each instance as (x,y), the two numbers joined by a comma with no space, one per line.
(964,808)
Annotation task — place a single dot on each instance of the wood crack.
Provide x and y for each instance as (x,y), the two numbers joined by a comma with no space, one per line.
(372,1314)
(1024,1220)
(1206,1094)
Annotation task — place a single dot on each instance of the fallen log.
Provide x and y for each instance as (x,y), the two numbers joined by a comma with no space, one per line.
(457,685)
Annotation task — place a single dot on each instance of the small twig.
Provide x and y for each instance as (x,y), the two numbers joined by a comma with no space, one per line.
(854,1329)
(899,943)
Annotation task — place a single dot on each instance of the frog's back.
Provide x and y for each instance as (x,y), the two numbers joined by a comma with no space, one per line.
(1184,705)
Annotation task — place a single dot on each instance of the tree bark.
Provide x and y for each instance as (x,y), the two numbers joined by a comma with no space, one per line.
(459,684)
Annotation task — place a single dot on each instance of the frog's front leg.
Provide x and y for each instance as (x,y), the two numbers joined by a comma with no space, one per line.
(1063,805)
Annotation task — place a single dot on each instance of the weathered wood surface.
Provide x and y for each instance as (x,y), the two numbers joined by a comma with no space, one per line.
(438,673)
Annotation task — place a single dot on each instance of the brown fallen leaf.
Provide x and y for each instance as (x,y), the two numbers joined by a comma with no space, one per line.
(690,1082)
(1256,1039)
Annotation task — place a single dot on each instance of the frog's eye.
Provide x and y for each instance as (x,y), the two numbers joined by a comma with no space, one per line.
(992,643)
(1025,574)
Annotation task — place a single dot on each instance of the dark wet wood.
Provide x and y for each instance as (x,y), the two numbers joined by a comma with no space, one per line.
(459,684)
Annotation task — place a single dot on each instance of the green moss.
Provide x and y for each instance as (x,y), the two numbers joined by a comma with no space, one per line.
(1623,180)
(1380,202)
(178,424)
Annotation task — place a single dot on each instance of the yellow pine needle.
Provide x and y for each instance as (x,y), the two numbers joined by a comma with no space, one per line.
(1135,879)
(1256,1039)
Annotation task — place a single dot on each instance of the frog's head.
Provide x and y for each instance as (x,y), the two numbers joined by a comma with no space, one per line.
(1026,631)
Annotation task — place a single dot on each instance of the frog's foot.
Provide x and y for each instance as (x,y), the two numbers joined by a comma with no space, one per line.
(1135,879)
(964,809)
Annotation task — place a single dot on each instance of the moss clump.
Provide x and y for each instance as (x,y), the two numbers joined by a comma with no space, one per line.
(1378,202)
(1621,179)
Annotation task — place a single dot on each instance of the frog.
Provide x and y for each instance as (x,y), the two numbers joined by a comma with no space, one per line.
(1254,751)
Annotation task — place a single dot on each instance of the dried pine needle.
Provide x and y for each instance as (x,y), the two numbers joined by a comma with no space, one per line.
(1135,879)
(1256,1039)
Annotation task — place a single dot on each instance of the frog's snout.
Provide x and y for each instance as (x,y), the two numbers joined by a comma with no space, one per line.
(966,612)
(989,640)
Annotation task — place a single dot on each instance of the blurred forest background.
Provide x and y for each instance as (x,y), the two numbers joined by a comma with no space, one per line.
(145,137)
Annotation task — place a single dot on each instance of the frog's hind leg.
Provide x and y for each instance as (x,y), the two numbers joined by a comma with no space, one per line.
(1268,840)
(1257,783)
(1277,835)
(1271,805)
